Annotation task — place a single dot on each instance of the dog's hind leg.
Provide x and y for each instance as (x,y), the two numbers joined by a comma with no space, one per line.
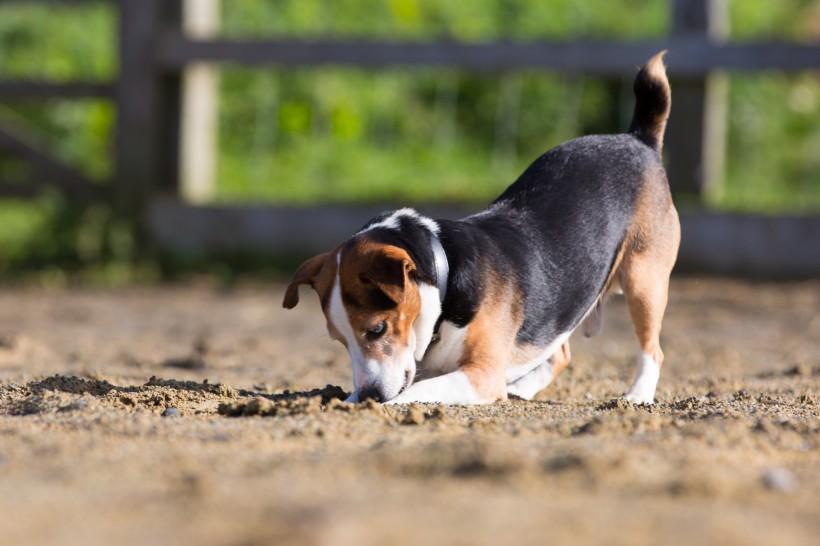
(646,299)
(644,275)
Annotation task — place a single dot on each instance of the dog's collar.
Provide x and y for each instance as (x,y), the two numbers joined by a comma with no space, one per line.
(442,266)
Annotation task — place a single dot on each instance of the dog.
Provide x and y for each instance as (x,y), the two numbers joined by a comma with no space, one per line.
(471,311)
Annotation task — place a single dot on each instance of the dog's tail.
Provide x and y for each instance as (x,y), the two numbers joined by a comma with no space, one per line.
(653,100)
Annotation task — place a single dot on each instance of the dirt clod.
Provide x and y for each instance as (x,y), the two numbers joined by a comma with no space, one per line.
(415,415)
(620,404)
(338,405)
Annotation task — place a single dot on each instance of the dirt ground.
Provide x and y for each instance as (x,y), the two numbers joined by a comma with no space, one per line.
(253,449)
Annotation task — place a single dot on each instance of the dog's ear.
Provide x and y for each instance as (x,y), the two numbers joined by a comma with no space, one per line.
(389,270)
(307,273)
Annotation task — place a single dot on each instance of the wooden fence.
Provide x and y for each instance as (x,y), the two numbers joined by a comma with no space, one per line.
(154,52)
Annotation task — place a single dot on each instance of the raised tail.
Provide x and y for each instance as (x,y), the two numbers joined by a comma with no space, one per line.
(653,100)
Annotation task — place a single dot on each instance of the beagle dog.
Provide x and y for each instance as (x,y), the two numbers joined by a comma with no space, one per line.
(470,311)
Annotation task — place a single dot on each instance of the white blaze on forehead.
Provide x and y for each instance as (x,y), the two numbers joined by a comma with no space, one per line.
(392,221)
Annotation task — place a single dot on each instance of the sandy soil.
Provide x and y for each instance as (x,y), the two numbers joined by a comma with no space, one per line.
(253,449)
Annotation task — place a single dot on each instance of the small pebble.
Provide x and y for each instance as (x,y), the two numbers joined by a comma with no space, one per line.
(171,412)
(778,478)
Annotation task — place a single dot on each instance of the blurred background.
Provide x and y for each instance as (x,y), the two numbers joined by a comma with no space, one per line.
(127,155)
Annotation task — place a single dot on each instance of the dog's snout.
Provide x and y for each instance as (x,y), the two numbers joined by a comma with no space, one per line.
(371,391)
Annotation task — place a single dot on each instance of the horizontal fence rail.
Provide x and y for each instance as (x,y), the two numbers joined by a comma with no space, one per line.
(66,2)
(34,89)
(782,247)
(689,57)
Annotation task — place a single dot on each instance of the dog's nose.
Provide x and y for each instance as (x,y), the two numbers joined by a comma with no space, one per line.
(370,392)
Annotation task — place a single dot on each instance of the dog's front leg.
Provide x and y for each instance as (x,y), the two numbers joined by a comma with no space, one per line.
(479,379)
(451,388)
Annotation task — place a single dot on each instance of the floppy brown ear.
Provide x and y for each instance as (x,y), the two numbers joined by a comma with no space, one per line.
(389,269)
(306,274)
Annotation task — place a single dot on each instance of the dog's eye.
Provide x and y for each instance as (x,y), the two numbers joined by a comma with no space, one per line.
(377,331)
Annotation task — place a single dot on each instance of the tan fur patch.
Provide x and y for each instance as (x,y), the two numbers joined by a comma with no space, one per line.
(560,360)
(319,272)
(490,341)
(657,73)
(649,253)
(367,268)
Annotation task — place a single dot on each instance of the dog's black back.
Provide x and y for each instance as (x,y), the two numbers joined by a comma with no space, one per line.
(555,233)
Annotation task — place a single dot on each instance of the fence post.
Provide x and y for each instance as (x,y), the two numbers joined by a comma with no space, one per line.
(147,107)
(200,99)
(696,135)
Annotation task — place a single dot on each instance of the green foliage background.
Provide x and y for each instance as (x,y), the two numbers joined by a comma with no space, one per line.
(400,135)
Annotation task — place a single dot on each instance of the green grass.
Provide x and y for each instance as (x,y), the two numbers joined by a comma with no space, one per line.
(348,135)
(341,135)
(62,43)
(315,136)
(327,171)
(773,164)
(470,21)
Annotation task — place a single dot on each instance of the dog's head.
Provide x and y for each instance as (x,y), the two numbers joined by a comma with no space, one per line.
(371,300)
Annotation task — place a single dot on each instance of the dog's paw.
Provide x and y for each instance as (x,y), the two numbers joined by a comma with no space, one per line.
(643,386)
(639,398)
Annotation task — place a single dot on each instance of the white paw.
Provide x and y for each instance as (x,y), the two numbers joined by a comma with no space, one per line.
(527,386)
(451,388)
(643,387)
(639,398)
